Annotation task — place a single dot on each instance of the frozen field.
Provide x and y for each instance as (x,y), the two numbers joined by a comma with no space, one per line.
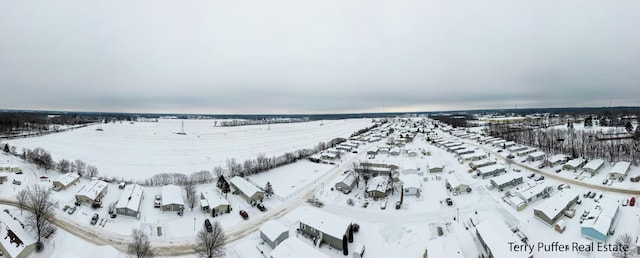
(140,150)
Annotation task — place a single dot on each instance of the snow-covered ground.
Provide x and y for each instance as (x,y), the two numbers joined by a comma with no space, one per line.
(140,150)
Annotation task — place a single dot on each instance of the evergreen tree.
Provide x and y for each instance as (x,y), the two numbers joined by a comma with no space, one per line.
(268,189)
(6,147)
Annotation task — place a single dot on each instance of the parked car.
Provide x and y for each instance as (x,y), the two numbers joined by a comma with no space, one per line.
(593,194)
(383,205)
(632,202)
(398,205)
(532,175)
(517,170)
(19,172)
(605,181)
(510,156)
(261,207)
(94,219)
(560,186)
(558,170)
(207,225)
(625,202)
(586,195)
(449,202)
(500,150)
(17,182)
(244,214)
(540,178)
(157,202)
(71,210)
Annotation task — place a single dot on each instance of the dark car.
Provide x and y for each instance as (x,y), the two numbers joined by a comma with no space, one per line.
(532,175)
(261,207)
(207,225)
(449,202)
(398,205)
(540,178)
(587,194)
(94,219)
(593,194)
(541,166)
(244,214)
(558,170)
(510,156)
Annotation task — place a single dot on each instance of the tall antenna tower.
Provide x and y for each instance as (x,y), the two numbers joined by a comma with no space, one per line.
(182,130)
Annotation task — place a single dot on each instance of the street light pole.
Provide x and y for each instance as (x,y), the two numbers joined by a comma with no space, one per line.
(194,224)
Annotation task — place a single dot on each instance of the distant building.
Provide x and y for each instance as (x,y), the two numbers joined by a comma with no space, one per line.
(129,202)
(535,156)
(443,247)
(526,152)
(515,149)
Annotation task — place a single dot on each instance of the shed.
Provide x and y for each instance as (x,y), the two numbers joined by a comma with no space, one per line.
(560,226)
(129,202)
(246,189)
(65,181)
(358,252)
(273,233)
(346,182)
(172,198)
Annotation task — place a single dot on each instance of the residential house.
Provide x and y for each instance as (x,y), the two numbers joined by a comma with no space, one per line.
(444,247)
(377,187)
(455,185)
(473,156)
(16,241)
(533,192)
(211,200)
(600,220)
(295,248)
(494,236)
(65,181)
(92,192)
(517,148)
(491,171)
(574,164)
(526,152)
(129,202)
(482,163)
(535,156)
(251,193)
(552,210)
(273,233)
(346,182)
(593,166)
(619,170)
(172,198)
(506,180)
(555,160)
(410,168)
(411,184)
(435,167)
(328,228)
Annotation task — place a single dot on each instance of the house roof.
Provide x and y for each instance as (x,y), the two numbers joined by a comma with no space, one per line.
(411,181)
(557,203)
(490,168)
(484,162)
(378,183)
(478,154)
(594,164)
(620,168)
(7,223)
(328,224)
(497,236)
(529,192)
(172,194)
(444,247)
(92,189)
(453,180)
(214,198)
(272,229)
(347,178)
(130,197)
(604,215)
(293,248)
(574,163)
(557,158)
(66,179)
(536,154)
(244,186)
(506,178)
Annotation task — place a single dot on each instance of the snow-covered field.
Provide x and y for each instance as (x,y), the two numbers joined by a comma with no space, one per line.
(140,150)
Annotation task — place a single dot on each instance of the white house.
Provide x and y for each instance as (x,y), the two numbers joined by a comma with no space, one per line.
(92,192)
(65,181)
(436,167)
(619,170)
(460,152)
(172,198)
(273,233)
(491,171)
(455,185)
(16,241)
(129,202)
(552,210)
(506,180)
(517,148)
(533,192)
(411,184)
(593,166)
(377,187)
(482,163)
(535,156)
(410,168)
(555,160)
(574,164)
(211,200)
(473,156)
(494,236)
(600,219)
(526,152)
(295,248)
(444,247)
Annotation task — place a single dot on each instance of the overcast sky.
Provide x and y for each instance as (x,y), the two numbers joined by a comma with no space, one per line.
(329,56)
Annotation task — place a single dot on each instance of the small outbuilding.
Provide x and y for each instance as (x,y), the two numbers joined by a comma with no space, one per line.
(273,233)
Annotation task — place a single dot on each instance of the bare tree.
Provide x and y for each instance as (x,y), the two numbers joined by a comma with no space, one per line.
(22,199)
(39,202)
(92,171)
(190,188)
(268,189)
(625,242)
(140,246)
(79,167)
(64,166)
(210,244)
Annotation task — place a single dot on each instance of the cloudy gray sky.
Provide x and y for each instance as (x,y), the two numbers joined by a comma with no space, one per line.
(329,56)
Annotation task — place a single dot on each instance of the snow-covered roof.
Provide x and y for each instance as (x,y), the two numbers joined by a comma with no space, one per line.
(410,166)
(463,151)
(7,223)
(506,178)
(272,229)
(244,186)
(453,180)
(435,164)
(172,194)
(66,179)
(347,178)
(328,224)
(557,158)
(620,168)
(536,154)
(604,214)
(482,163)
(130,197)
(92,189)
(480,154)
(411,181)
(557,203)
(293,248)
(529,192)
(517,148)
(574,163)
(497,237)
(594,164)
(214,198)
(444,247)
(490,168)
(378,183)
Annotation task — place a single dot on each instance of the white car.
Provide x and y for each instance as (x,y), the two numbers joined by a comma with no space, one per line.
(157,202)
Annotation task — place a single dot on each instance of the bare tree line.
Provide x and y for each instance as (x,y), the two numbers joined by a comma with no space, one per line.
(576,143)
(240,122)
